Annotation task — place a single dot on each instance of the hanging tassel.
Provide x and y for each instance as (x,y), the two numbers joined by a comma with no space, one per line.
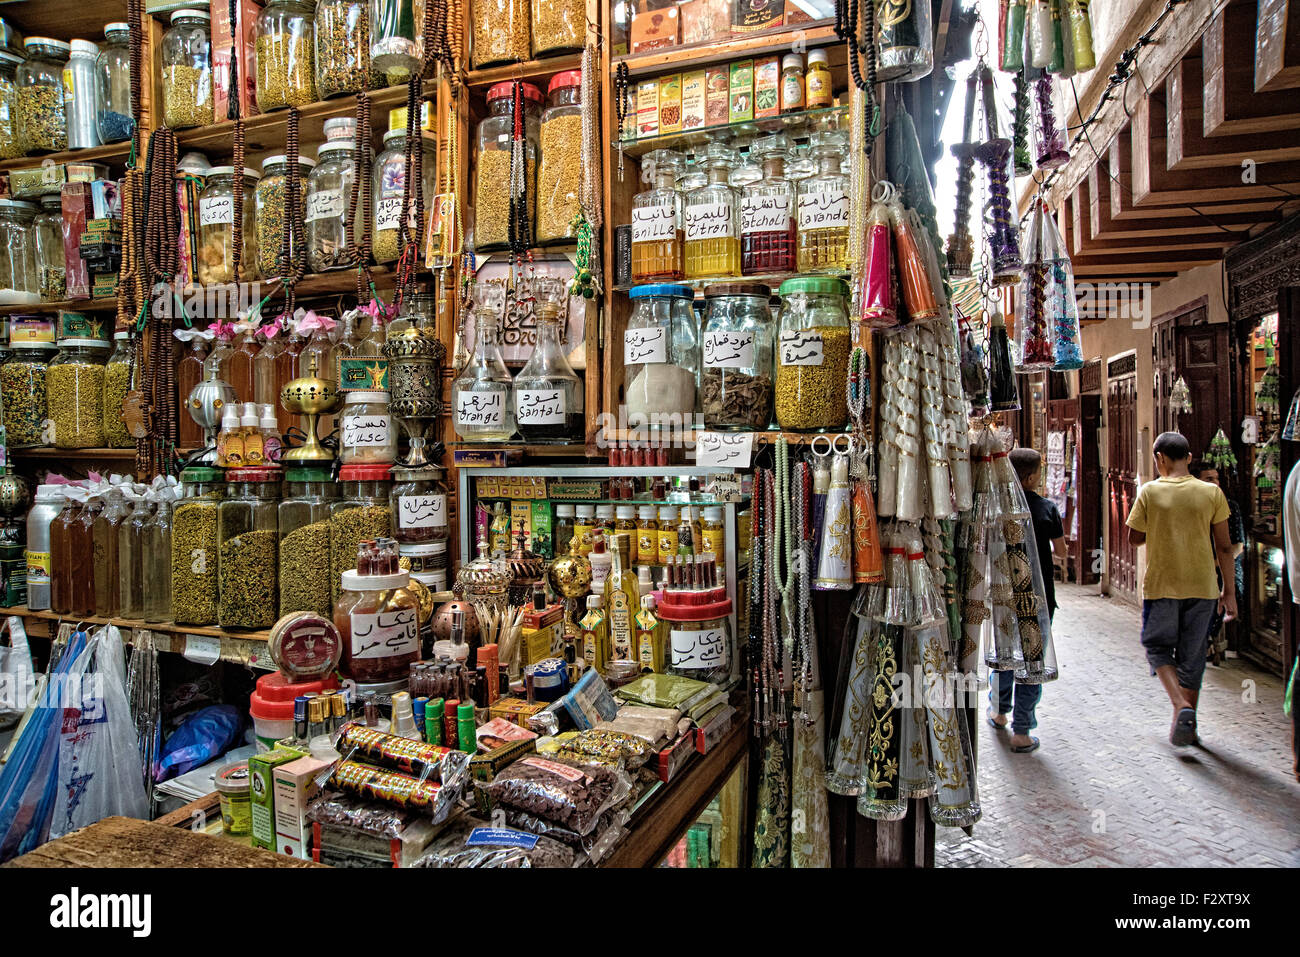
(877,307)
(918,294)
(974,372)
(1056,62)
(927,595)
(1081,31)
(908,437)
(1040,33)
(1013,42)
(835,560)
(1051,142)
(1063,310)
(1003,396)
(868,562)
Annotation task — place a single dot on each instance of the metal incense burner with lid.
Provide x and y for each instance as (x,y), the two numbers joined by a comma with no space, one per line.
(415,358)
(206,404)
(311,397)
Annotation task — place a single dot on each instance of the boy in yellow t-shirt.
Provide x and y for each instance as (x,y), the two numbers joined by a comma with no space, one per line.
(1180,592)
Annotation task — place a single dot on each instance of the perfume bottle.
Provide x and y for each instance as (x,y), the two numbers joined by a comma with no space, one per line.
(548,398)
(657,238)
(767,223)
(823,237)
(712,234)
(480,396)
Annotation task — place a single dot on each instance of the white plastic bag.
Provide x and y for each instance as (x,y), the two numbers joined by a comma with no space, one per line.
(99,774)
(17,679)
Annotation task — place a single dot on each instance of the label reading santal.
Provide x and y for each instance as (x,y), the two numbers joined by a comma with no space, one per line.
(653,223)
(824,207)
(728,350)
(539,407)
(801,349)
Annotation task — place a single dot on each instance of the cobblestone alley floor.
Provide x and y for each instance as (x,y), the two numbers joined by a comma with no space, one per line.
(1107,789)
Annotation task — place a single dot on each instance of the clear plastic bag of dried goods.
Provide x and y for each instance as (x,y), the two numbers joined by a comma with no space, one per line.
(495,847)
(608,747)
(604,837)
(558,789)
(372,817)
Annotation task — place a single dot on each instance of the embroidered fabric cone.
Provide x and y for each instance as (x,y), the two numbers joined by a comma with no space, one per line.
(878,308)
(882,800)
(846,773)
(810,838)
(835,563)
(868,562)
(915,779)
(955,802)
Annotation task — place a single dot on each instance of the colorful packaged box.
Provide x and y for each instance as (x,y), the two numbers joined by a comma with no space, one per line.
(767,87)
(647,109)
(670,103)
(655,29)
(77,212)
(36,181)
(717,93)
(542,541)
(261,776)
(224,36)
(757,15)
(694,86)
(515,710)
(107,199)
(295,786)
(741,86)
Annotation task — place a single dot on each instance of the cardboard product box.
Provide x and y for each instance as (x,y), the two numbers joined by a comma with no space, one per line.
(647,109)
(767,87)
(78,207)
(717,96)
(521,514)
(670,103)
(709,734)
(515,710)
(543,542)
(694,99)
(223,35)
(261,775)
(341,846)
(188,188)
(655,29)
(741,85)
(295,785)
(754,16)
(705,21)
(577,490)
(675,756)
(106,196)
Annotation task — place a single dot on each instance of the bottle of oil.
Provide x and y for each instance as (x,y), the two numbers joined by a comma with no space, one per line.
(823,237)
(657,221)
(595,634)
(622,599)
(712,227)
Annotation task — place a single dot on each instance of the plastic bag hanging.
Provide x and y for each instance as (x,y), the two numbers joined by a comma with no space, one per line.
(1062,308)
(1039,29)
(835,560)
(878,308)
(1013,39)
(904,40)
(955,802)
(1033,342)
(1003,395)
(1081,33)
(1056,60)
(1051,140)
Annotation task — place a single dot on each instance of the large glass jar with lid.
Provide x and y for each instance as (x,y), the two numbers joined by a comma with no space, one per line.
(709,212)
(304,517)
(491,191)
(196,546)
(558,26)
(19,278)
(366,430)
(248,533)
(657,239)
(285,71)
(74,388)
(813,355)
(548,397)
(736,383)
(342,37)
(823,236)
(559,175)
(11,144)
(378,616)
(388,191)
(272,196)
(397,37)
(117,383)
(361,512)
(22,393)
(329,190)
(51,268)
(108,590)
(113,85)
(158,561)
(501,32)
(187,70)
(420,523)
(42,119)
(217,227)
(480,396)
(767,214)
(81,95)
(661,356)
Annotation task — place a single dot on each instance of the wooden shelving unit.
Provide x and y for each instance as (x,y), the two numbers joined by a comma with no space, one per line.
(814,34)
(531,71)
(64,305)
(111,154)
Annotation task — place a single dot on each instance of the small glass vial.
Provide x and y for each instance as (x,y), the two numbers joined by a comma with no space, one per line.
(713,538)
(667,544)
(647,536)
(584,524)
(562,529)
(819,90)
(792,83)
(657,237)
(712,230)
(823,236)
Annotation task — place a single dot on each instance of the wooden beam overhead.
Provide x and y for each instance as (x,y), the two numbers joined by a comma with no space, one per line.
(1187,146)
(1231,103)
(1080,240)
(1277,45)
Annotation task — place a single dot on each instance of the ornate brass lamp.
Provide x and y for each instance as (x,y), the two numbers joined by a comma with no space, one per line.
(311,397)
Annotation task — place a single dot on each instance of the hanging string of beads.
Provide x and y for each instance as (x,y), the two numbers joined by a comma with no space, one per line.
(292,258)
(621,84)
(412,171)
(362,161)
(234,112)
(862,52)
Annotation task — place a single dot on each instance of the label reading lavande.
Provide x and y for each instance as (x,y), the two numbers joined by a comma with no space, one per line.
(824,207)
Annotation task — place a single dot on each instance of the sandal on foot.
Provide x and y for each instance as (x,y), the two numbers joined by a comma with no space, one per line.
(1184,730)
(1026,748)
(993,724)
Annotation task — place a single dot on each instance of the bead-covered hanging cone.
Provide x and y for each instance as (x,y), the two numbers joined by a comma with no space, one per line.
(1062,308)
(1033,344)
(1004,244)
(1051,140)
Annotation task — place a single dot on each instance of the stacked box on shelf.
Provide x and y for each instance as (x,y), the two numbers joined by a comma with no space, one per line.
(101,249)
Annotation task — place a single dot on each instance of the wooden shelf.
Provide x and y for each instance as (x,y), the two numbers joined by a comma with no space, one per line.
(815,34)
(63,305)
(772,280)
(761,436)
(63,19)
(113,154)
(531,71)
(82,454)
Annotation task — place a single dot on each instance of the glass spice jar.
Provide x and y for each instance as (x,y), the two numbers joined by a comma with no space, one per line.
(366,431)
(217,227)
(792,83)
(19,276)
(709,213)
(558,27)
(285,60)
(156,568)
(342,38)
(501,31)
(389,191)
(419,506)
(23,396)
(81,95)
(74,388)
(130,556)
(548,397)
(195,546)
(661,356)
(271,200)
(11,145)
(304,517)
(397,36)
(813,355)
(736,383)
(187,70)
(492,176)
(559,174)
(108,593)
(362,512)
(248,533)
(657,238)
(42,120)
(823,237)
(113,114)
(117,382)
(51,268)
(329,191)
(480,396)
(378,616)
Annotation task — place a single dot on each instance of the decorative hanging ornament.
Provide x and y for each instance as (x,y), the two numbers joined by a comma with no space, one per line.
(1051,140)
(1081,33)
(995,154)
(1220,453)
(1003,395)
(1292,419)
(1039,29)
(1013,37)
(918,295)
(904,38)
(1020,128)
(1057,61)
(960,247)
(1033,344)
(878,309)
(835,561)
(1180,397)
(1268,394)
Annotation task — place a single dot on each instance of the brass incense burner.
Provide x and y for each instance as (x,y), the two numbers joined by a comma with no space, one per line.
(311,397)
(415,356)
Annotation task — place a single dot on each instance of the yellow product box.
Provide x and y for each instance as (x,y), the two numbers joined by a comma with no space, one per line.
(515,710)
(670,103)
(647,109)
(742,91)
(485,487)
(694,98)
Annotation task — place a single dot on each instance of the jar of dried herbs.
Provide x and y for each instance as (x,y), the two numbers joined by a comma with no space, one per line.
(558,26)
(304,518)
(329,193)
(285,62)
(187,70)
(361,513)
(248,532)
(388,188)
(216,262)
(51,269)
(10,141)
(117,382)
(195,547)
(113,85)
(22,393)
(813,355)
(272,204)
(42,124)
(736,383)
(559,174)
(491,193)
(74,389)
(19,279)
(501,32)
(343,48)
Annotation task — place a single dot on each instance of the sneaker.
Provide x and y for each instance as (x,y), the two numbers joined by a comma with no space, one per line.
(1183,733)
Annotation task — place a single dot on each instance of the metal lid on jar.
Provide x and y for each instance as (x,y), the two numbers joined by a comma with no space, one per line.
(305,645)
(333,146)
(714,290)
(671,289)
(304,474)
(84,48)
(394,135)
(365,472)
(18,205)
(425,473)
(86,343)
(815,285)
(230,171)
(202,473)
(357,398)
(8,58)
(190,13)
(253,475)
(507,89)
(282,158)
(335,127)
(117,26)
(561,80)
(792,61)
(59,45)
(818,56)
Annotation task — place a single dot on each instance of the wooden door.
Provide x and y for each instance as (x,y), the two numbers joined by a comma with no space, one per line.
(1121,474)
(1186,344)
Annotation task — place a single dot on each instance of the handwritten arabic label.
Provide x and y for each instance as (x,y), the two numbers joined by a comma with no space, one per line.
(367,430)
(481,408)
(388,634)
(388,214)
(422,511)
(710,221)
(824,207)
(215,210)
(764,214)
(724,449)
(653,223)
(324,204)
(539,406)
(202,649)
(706,648)
(801,349)
(645,345)
(729,350)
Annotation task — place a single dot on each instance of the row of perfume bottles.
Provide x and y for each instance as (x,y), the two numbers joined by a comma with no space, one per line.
(708,222)
(249,437)
(544,402)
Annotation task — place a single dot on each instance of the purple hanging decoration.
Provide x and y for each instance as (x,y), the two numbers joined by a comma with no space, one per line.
(1051,141)
(995,154)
